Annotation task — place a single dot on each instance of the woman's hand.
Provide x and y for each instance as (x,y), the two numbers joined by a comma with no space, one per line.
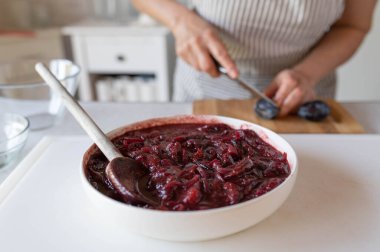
(197,42)
(289,89)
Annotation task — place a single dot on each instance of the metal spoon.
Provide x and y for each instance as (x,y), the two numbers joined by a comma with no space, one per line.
(126,175)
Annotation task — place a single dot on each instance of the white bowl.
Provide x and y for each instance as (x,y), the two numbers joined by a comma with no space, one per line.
(201,224)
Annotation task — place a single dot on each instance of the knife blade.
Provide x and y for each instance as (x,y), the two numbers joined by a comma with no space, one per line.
(254,91)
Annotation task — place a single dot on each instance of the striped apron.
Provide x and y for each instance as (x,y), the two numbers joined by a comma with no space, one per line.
(263,37)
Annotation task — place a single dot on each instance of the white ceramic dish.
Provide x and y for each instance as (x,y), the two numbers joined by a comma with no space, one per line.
(194,225)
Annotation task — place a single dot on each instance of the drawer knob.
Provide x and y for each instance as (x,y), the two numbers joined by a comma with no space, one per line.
(121,58)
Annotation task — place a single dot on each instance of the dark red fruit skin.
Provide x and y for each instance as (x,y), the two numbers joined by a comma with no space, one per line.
(197,166)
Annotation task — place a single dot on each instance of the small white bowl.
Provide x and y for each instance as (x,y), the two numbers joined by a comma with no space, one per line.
(201,224)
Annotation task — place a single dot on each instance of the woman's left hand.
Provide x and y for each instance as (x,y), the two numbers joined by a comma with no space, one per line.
(289,89)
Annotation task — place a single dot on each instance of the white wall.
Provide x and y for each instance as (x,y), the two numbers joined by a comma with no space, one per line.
(359,79)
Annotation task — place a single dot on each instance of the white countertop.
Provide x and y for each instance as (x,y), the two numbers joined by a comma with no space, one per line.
(333,206)
(112,115)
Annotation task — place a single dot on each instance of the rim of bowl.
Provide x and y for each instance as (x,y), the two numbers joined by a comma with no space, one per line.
(121,130)
(77,70)
(22,131)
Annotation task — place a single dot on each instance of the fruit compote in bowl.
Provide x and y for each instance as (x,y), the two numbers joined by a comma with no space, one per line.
(213,176)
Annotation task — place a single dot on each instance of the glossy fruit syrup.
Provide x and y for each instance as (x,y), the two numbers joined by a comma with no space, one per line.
(197,166)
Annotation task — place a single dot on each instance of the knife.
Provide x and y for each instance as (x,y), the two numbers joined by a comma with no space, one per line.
(254,91)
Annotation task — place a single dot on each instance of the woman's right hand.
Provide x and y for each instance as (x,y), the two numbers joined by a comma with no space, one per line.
(197,41)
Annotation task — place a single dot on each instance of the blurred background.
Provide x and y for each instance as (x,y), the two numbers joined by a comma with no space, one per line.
(111,41)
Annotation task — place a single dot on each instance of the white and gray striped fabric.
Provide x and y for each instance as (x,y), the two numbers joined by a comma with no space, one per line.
(263,37)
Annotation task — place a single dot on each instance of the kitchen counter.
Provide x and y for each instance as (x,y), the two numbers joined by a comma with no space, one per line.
(112,115)
(333,206)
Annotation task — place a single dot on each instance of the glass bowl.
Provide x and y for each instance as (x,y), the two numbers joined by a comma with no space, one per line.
(23,92)
(13,134)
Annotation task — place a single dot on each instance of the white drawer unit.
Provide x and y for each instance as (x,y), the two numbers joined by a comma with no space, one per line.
(103,50)
(121,54)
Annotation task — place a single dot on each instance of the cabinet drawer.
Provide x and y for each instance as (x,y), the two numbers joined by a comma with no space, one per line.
(123,54)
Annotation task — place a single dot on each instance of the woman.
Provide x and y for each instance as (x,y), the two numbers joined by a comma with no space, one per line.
(288,48)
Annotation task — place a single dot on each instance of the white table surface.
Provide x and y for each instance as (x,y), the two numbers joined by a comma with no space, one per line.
(334,205)
(112,115)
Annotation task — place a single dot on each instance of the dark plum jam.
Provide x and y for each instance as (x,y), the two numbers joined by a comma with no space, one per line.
(197,166)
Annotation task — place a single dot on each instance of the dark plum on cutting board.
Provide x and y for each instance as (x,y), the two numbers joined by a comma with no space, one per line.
(265,109)
(313,111)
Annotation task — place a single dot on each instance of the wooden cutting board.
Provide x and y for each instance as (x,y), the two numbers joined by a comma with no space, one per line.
(340,120)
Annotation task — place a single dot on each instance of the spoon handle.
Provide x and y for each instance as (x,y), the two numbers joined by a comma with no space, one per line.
(95,133)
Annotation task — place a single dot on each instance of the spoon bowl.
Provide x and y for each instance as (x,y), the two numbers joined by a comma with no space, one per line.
(128,178)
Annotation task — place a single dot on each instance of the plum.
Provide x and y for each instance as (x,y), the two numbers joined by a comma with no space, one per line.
(265,109)
(314,110)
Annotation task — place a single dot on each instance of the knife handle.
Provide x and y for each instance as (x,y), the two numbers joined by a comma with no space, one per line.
(218,66)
